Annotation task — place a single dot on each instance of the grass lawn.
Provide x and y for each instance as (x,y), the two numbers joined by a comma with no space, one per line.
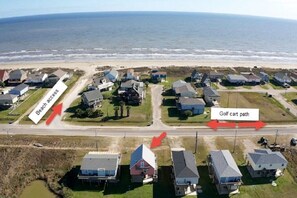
(214,85)
(202,150)
(247,86)
(270,109)
(170,80)
(264,87)
(291,97)
(171,116)
(139,115)
(275,85)
(33,96)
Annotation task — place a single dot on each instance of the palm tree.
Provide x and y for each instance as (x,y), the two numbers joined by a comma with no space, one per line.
(128,110)
(122,103)
(116,111)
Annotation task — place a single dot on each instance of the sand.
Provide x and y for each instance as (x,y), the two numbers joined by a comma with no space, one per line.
(91,65)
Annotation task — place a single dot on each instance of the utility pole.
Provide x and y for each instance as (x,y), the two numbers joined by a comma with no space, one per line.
(235,136)
(96,140)
(276,134)
(196,143)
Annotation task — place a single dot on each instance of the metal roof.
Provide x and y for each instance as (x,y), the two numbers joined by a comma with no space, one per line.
(7,96)
(143,153)
(184,164)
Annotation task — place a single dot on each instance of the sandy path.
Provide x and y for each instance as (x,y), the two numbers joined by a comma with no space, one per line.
(210,143)
(114,145)
(175,142)
(248,146)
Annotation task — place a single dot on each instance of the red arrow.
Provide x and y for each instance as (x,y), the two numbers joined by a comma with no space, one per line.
(214,124)
(57,110)
(257,125)
(157,141)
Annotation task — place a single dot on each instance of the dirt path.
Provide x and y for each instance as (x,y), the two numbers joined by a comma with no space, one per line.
(175,142)
(210,143)
(114,145)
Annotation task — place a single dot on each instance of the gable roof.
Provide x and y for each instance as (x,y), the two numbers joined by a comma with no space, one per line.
(96,160)
(7,96)
(128,84)
(195,74)
(236,77)
(58,73)
(178,83)
(224,164)
(283,76)
(36,75)
(210,92)
(99,80)
(184,164)
(190,101)
(266,156)
(251,76)
(92,95)
(20,87)
(143,153)
(16,74)
(3,74)
(205,78)
(215,74)
(112,72)
(185,88)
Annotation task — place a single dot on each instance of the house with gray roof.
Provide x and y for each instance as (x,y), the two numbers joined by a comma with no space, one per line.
(186,175)
(196,105)
(196,76)
(92,98)
(282,78)
(132,92)
(102,83)
(36,78)
(265,163)
(111,74)
(205,81)
(19,90)
(224,171)
(210,96)
(215,76)
(185,90)
(8,99)
(236,79)
(100,166)
(177,84)
(251,78)
(264,77)
(17,76)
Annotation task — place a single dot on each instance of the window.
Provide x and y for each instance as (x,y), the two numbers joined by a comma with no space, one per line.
(283,164)
(142,164)
(259,166)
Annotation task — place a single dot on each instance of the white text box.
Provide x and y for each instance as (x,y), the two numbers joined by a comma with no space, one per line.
(234,114)
(47,102)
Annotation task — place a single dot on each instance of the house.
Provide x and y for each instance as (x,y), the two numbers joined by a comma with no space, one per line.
(196,76)
(177,84)
(282,78)
(99,166)
(196,105)
(19,90)
(130,75)
(8,99)
(205,81)
(92,98)
(186,175)
(293,76)
(236,79)
(251,78)
(36,78)
(264,77)
(224,172)
(215,76)
(111,74)
(210,96)
(17,76)
(102,83)
(132,92)
(54,77)
(155,76)
(4,76)
(186,91)
(265,163)
(143,165)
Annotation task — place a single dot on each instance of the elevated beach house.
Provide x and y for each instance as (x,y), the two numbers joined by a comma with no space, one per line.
(57,75)
(4,76)
(19,90)
(102,83)
(7,100)
(143,165)
(211,96)
(195,105)
(98,166)
(236,79)
(264,77)
(130,75)
(177,84)
(111,74)
(17,76)
(186,176)
(92,98)
(251,78)
(282,78)
(205,81)
(215,76)
(158,76)
(266,163)
(132,92)
(185,90)
(196,76)
(224,172)
(36,78)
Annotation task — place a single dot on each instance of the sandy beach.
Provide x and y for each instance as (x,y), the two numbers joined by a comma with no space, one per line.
(84,65)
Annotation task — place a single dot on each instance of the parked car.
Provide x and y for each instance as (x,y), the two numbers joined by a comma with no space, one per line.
(37,145)
(286,85)
(293,141)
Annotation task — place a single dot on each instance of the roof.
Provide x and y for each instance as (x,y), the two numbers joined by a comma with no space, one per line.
(209,91)
(16,74)
(98,81)
(7,96)
(59,73)
(283,76)
(143,153)
(96,160)
(36,75)
(236,77)
(92,95)
(251,76)
(2,74)
(195,74)
(184,164)
(266,156)
(204,78)
(159,73)
(128,84)
(112,72)
(185,88)
(20,87)
(215,74)
(224,164)
(178,83)
(190,101)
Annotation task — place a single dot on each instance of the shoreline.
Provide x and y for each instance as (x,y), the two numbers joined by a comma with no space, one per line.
(146,63)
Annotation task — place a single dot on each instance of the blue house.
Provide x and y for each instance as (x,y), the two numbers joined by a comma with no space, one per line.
(111,74)
(19,90)
(264,77)
(196,105)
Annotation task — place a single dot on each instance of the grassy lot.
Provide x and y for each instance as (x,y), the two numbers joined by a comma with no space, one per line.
(139,115)
(275,85)
(270,109)
(264,87)
(291,97)
(33,96)
(214,85)
(170,80)
(171,116)
(37,189)
(202,150)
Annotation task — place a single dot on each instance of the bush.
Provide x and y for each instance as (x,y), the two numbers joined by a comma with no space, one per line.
(107,95)
(188,113)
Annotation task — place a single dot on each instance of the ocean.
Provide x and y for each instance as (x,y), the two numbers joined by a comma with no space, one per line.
(147,36)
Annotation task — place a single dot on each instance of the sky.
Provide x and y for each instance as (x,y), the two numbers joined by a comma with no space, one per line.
(269,8)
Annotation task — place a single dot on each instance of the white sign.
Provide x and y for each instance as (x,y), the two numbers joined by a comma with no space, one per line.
(234,114)
(47,102)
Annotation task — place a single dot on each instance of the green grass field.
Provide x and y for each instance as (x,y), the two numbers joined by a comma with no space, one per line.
(291,97)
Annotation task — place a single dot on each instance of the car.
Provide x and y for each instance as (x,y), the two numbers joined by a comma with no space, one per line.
(286,85)
(293,141)
(37,145)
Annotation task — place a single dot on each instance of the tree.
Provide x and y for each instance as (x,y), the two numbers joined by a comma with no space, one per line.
(116,112)
(79,113)
(159,79)
(128,110)
(90,112)
(147,84)
(188,113)
(2,84)
(122,103)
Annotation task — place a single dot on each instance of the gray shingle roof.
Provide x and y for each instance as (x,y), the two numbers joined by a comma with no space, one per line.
(190,101)
(98,81)
(210,92)
(236,77)
(93,95)
(128,84)
(178,83)
(266,156)
(283,76)
(185,88)
(7,96)
(16,74)
(20,87)
(95,160)
(184,164)
(205,78)
(59,73)
(224,164)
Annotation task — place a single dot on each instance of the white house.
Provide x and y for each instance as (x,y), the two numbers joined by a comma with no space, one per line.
(36,78)
(19,90)
(102,83)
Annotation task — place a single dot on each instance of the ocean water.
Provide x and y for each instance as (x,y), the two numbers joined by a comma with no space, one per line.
(147,35)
